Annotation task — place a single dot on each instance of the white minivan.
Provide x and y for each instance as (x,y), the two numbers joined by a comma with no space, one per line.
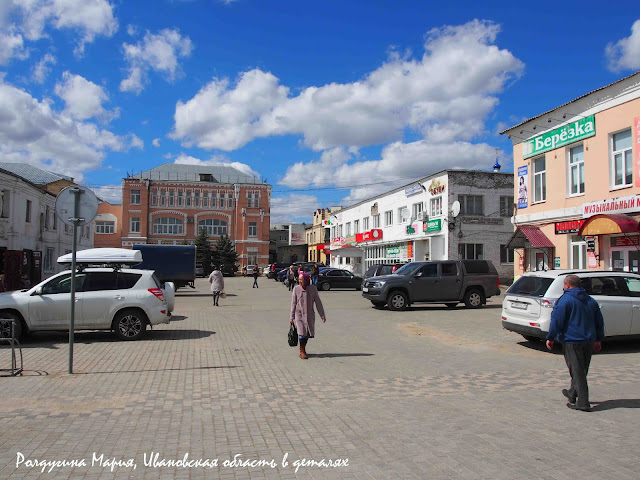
(528,303)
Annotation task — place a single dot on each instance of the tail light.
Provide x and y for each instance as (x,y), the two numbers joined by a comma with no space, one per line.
(545,303)
(158,293)
(498,282)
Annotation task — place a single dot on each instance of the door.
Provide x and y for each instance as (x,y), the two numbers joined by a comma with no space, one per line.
(99,298)
(12,266)
(449,282)
(612,295)
(52,308)
(634,261)
(425,283)
(633,287)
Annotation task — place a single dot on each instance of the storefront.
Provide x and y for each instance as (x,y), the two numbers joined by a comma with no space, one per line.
(612,239)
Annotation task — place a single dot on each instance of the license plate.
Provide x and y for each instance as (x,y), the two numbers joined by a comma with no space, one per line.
(365,289)
(519,305)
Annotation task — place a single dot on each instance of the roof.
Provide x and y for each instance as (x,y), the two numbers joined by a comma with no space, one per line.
(33,174)
(568,103)
(220,174)
(533,235)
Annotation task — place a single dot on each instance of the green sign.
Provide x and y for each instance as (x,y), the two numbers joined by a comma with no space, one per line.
(432,225)
(350,240)
(393,251)
(410,230)
(556,262)
(572,132)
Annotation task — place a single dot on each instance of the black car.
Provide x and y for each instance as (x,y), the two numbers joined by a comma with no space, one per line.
(275,268)
(382,269)
(337,278)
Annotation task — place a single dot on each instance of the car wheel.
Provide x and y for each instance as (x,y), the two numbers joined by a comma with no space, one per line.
(130,325)
(473,298)
(378,304)
(397,301)
(5,327)
(325,286)
(451,305)
(531,338)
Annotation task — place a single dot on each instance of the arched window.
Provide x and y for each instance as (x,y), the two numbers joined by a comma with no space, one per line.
(167,225)
(213,226)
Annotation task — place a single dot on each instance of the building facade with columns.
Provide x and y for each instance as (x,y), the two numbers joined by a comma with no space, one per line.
(170,204)
(577,180)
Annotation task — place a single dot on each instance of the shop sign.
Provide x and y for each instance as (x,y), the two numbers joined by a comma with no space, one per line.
(636,141)
(436,187)
(350,240)
(393,251)
(326,223)
(323,247)
(592,261)
(371,235)
(432,226)
(359,237)
(410,250)
(625,241)
(559,137)
(556,262)
(571,226)
(591,244)
(337,242)
(413,228)
(612,205)
(523,181)
(413,189)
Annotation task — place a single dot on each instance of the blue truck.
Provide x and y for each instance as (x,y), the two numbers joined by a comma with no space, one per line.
(172,263)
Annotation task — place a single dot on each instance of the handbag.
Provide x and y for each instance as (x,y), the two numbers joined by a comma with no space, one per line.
(223,294)
(293,335)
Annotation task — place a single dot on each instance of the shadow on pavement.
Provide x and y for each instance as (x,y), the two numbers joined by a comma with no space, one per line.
(201,295)
(334,355)
(608,348)
(57,340)
(618,403)
(160,370)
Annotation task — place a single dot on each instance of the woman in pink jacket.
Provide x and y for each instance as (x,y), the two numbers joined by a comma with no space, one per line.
(303,298)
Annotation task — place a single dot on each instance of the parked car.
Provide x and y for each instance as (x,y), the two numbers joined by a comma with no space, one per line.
(250,270)
(337,278)
(199,270)
(122,300)
(275,268)
(444,281)
(528,303)
(381,269)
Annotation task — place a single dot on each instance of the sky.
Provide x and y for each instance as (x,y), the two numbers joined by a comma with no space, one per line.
(331,102)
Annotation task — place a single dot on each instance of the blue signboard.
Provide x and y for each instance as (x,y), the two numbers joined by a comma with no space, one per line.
(413,189)
(523,186)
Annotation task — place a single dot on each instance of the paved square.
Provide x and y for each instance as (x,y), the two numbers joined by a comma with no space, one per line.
(430,393)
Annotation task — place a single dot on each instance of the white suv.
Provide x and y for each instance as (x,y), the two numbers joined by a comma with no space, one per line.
(122,300)
(528,303)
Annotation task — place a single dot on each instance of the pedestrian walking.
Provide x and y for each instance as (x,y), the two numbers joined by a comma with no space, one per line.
(255,276)
(303,298)
(315,271)
(244,271)
(216,279)
(576,323)
(291,277)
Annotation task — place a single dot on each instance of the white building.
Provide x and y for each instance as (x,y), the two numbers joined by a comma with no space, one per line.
(416,222)
(31,236)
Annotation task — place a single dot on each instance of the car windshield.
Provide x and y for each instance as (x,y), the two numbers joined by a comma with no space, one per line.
(530,285)
(408,269)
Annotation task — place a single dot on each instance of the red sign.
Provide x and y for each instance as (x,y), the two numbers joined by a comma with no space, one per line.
(629,241)
(322,248)
(359,237)
(636,142)
(371,235)
(571,226)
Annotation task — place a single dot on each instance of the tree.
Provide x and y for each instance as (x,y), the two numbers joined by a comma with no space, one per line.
(225,253)
(203,251)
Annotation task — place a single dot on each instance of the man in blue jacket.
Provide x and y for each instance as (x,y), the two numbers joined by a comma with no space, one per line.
(577,323)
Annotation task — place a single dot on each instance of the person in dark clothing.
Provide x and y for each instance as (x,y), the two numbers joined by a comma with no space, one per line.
(577,323)
(315,271)
(291,278)
(255,277)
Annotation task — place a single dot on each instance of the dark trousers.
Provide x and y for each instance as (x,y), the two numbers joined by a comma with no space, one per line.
(216,296)
(255,281)
(578,357)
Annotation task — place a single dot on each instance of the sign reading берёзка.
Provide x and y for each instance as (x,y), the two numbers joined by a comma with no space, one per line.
(569,133)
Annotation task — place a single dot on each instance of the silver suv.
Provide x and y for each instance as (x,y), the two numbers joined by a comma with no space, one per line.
(122,300)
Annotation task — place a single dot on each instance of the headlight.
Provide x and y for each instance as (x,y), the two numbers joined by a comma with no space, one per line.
(378,284)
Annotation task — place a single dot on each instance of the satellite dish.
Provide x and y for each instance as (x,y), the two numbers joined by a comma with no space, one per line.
(455,209)
(87,205)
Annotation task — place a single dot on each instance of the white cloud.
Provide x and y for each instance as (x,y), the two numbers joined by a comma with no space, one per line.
(158,52)
(156,142)
(221,160)
(41,69)
(32,132)
(445,95)
(83,98)
(109,193)
(625,53)
(11,44)
(293,208)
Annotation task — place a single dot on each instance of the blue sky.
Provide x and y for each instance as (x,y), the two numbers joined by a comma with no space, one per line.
(330,101)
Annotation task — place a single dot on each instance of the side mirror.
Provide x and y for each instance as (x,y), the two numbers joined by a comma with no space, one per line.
(37,291)
(419,274)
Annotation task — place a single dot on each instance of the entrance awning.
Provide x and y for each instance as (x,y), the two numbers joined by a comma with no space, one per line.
(528,236)
(603,224)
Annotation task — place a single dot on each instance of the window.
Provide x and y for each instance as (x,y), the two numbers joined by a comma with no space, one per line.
(333,233)
(471,204)
(253,229)
(365,224)
(539,180)
(506,206)
(167,225)
(416,211)
(47,215)
(621,159)
(436,206)
(470,251)
(252,255)
(506,254)
(576,170)
(429,270)
(213,226)
(388,218)
(62,284)
(229,200)
(213,199)
(55,221)
(348,227)
(449,269)
(4,203)
(179,199)
(48,259)
(154,198)
(105,227)
(356,226)
(197,199)
(340,230)
(188,198)
(134,197)
(171,192)
(205,200)
(206,177)
(578,252)
(253,199)
(163,198)
(376,221)
(403,215)
(134,224)
(28,216)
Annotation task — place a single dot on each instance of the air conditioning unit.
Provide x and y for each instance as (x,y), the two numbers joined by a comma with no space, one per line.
(425,217)
(189,219)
